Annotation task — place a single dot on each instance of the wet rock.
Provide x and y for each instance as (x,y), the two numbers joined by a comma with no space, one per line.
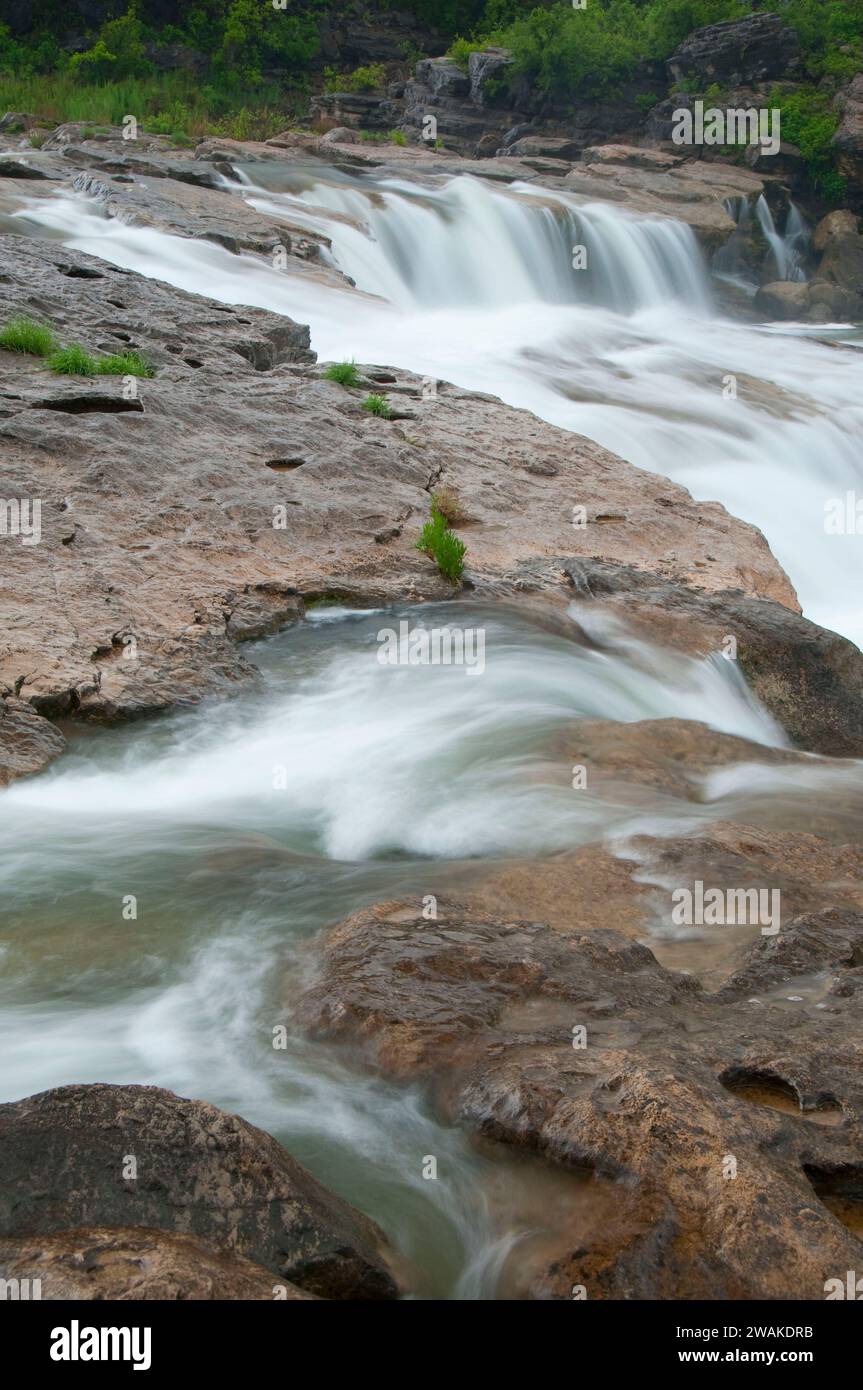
(198,1172)
(716,1187)
(809,678)
(736,52)
(815,301)
(125,1264)
(155,519)
(27,741)
(828,940)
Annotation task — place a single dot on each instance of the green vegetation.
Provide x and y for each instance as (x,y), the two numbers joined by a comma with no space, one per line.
(360,80)
(444,547)
(124,364)
(23,335)
(460,52)
(345,373)
(809,122)
(72,361)
(246,67)
(378,405)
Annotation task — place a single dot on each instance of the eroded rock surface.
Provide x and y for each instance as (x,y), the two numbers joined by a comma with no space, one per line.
(131,1264)
(200,1173)
(721,1194)
(242,483)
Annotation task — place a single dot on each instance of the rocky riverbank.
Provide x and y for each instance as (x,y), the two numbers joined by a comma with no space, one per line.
(218,501)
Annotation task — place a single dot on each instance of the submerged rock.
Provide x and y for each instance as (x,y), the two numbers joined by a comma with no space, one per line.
(138,1156)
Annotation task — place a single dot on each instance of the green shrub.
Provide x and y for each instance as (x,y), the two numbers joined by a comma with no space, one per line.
(23,335)
(459,52)
(809,122)
(118,52)
(378,405)
(72,361)
(124,364)
(345,373)
(444,547)
(366,79)
(397,137)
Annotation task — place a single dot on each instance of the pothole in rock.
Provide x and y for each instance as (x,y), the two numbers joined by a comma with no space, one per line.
(90,405)
(765,1088)
(841,1191)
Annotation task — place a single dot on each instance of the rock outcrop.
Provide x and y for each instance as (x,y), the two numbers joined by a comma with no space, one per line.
(848,140)
(238,483)
(121,1157)
(736,52)
(731,1127)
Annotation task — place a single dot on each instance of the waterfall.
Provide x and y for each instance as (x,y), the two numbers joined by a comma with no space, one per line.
(787,251)
(471,283)
(469,244)
(788,248)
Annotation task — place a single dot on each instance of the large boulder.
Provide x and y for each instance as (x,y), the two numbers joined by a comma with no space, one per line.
(815,301)
(27,741)
(139,1156)
(736,52)
(716,1120)
(838,239)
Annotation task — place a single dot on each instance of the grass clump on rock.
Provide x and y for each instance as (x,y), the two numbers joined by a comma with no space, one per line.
(345,373)
(378,405)
(73,361)
(124,364)
(444,547)
(23,335)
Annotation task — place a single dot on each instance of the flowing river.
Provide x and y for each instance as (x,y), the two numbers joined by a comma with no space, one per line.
(400,780)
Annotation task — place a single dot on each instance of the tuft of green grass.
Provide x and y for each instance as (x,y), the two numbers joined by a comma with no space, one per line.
(345,373)
(378,405)
(124,364)
(73,361)
(397,137)
(23,335)
(444,547)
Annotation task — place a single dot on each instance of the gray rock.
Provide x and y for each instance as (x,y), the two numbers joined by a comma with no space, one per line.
(200,1173)
(738,51)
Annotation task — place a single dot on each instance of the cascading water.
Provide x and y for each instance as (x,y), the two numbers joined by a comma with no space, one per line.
(789,247)
(409,777)
(477,285)
(787,251)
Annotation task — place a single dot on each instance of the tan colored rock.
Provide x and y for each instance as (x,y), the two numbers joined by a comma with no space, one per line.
(158,534)
(669,1083)
(133,1264)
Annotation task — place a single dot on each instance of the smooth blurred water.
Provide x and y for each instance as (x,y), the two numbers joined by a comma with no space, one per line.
(473,283)
(244,828)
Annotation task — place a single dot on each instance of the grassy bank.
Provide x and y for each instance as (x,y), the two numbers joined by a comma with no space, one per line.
(167,104)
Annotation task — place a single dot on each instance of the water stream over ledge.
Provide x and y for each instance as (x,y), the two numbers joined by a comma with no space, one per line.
(399,781)
(476,285)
